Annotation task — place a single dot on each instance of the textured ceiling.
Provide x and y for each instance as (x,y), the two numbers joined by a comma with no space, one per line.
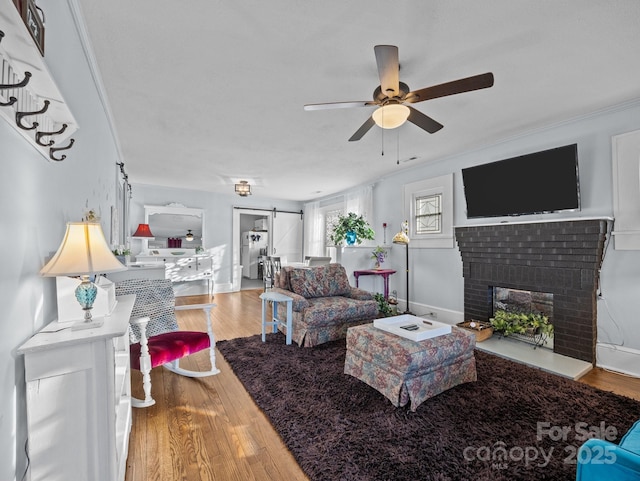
(204,93)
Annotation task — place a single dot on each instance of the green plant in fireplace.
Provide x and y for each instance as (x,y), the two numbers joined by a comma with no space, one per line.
(531,323)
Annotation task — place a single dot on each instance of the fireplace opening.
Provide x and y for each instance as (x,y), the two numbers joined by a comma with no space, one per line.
(526,310)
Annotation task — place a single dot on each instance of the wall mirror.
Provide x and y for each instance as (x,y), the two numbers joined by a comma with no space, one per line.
(173,222)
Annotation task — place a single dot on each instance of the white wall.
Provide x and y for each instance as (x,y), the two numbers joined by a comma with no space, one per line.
(37,198)
(436,274)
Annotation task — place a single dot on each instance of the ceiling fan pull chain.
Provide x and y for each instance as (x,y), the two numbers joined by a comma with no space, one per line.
(382,136)
(398,146)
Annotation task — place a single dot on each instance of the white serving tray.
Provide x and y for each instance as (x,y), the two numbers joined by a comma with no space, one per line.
(426,328)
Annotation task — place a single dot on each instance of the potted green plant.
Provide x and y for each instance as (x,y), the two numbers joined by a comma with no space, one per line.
(384,309)
(351,228)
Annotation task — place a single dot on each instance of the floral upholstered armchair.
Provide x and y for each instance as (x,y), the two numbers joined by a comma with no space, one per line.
(324,304)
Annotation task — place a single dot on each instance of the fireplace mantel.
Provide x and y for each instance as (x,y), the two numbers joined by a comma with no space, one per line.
(537,221)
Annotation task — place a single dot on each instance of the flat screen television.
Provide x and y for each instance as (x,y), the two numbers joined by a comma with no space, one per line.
(535,183)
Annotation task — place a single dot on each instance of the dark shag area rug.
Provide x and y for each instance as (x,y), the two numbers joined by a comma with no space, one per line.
(514,423)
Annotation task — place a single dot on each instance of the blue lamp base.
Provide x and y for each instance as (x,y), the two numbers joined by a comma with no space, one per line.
(86,294)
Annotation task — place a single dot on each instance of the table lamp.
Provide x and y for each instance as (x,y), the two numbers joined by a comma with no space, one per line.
(403,238)
(143,232)
(83,252)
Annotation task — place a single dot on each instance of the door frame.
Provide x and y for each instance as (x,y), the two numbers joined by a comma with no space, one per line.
(236,275)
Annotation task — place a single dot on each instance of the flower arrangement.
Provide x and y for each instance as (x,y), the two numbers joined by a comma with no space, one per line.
(121,251)
(379,255)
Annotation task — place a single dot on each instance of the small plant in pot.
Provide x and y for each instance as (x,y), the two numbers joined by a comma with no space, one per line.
(122,253)
(384,309)
(351,229)
(378,255)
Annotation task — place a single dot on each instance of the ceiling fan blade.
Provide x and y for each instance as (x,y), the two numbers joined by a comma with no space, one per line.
(388,69)
(364,128)
(423,121)
(339,105)
(468,84)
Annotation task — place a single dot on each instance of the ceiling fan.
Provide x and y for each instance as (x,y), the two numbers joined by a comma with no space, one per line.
(392,96)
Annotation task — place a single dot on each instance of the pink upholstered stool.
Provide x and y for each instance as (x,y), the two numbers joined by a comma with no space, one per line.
(409,371)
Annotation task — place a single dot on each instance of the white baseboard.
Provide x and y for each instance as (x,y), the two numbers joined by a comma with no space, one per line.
(225,287)
(194,288)
(618,358)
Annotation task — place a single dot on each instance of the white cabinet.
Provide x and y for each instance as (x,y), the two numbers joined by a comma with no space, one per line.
(79,399)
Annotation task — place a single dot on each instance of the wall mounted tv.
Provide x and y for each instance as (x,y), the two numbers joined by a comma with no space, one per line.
(529,184)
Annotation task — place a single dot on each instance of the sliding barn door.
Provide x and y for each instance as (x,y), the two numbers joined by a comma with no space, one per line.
(287,236)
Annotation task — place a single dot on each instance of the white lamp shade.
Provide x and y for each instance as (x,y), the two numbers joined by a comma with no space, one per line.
(83,251)
(391,116)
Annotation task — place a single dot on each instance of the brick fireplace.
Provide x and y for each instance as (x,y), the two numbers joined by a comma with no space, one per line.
(561,258)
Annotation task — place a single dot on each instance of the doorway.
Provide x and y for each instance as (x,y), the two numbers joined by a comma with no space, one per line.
(284,237)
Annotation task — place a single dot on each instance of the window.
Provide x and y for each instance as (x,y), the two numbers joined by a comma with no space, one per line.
(428,214)
(429,209)
(330,218)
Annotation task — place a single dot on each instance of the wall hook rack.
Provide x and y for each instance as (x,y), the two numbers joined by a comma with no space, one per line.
(53,150)
(39,136)
(21,84)
(21,115)
(25,76)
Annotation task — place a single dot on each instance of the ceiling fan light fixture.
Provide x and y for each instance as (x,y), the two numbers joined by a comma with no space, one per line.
(243,188)
(189,236)
(391,116)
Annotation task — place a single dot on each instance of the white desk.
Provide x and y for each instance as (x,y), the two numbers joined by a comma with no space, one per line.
(79,399)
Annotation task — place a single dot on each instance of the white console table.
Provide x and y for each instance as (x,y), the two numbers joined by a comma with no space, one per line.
(184,268)
(79,399)
(135,270)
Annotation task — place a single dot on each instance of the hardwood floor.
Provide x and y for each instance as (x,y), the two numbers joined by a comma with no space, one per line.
(614,382)
(210,429)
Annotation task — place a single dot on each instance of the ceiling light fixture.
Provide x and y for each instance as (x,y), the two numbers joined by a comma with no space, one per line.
(189,236)
(391,116)
(243,188)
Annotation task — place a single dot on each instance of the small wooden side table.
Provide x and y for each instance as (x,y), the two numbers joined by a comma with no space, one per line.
(274,298)
(385,273)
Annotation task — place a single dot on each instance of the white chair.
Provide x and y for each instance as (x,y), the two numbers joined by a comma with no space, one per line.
(267,272)
(312,261)
(155,338)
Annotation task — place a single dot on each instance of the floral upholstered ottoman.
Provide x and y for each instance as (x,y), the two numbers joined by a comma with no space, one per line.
(410,371)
